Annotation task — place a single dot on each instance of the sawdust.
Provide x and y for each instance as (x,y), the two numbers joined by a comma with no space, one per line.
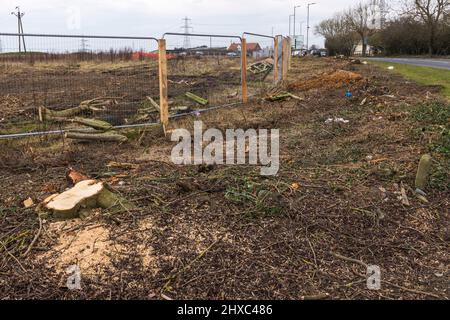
(146,251)
(335,80)
(90,248)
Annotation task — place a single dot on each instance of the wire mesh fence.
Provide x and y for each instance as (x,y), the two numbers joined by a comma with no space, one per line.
(122,80)
(260,62)
(204,71)
(104,78)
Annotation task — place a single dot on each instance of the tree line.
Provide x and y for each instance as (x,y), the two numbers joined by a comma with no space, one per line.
(418,27)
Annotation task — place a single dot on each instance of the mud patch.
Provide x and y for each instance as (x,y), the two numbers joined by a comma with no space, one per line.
(335,80)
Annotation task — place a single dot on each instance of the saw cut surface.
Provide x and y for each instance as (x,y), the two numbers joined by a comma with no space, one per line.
(72,198)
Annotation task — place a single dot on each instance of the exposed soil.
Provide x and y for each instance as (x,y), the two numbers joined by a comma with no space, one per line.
(225,232)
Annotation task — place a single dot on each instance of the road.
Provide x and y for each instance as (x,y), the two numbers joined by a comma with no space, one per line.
(432,63)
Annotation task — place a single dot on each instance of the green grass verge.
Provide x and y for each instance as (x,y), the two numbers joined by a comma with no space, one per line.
(423,75)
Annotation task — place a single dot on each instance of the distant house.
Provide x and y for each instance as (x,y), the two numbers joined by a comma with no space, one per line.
(358,50)
(254,50)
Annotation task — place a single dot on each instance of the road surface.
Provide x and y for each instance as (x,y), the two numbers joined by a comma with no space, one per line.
(432,63)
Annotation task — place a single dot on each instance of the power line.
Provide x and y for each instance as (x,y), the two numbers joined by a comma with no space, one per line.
(19,16)
(187,30)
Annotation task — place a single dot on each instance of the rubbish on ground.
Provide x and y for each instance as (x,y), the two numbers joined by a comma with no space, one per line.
(423,172)
(83,197)
(336,120)
(197,99)
(261,66)
(365,62)
(335,80)
(391,68)
(28,203)
(420,192)
(363,102)
(104,136)
(348,94)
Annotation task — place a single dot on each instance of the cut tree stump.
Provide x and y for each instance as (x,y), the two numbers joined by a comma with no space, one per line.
(84,197)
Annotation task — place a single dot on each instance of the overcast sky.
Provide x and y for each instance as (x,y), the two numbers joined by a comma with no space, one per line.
(154,17)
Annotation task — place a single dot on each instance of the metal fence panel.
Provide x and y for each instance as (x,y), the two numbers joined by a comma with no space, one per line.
(112,75)
(261,62)
(207,66)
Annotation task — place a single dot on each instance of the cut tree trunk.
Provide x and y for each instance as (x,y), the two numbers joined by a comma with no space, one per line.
(196,98)
(49,115)
(93,123)
(106,137)
(85,196)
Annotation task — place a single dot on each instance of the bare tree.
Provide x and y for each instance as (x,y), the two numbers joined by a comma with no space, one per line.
(431,13)
(339,36)
(362,19)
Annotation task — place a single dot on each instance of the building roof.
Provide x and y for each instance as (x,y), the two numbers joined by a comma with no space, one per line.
(251,47)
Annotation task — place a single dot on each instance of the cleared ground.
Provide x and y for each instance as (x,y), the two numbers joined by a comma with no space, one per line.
(226,232)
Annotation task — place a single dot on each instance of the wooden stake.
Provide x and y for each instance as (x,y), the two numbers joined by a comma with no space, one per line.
(244,70)
(164,103)
(285,59)
(275,58)
(290,52)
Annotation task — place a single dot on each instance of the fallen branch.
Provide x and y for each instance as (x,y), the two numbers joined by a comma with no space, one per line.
(197,99)
(154,104)
(49,115)
(315,297)
(93,123)
(36,237)
(106,137)
(336,255)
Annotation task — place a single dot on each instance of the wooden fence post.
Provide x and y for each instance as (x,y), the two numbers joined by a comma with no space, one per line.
(163,94)
(290,53)
(244,70)
(276,60)
(285,59)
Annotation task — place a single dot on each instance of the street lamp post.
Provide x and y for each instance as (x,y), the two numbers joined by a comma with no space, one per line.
(308,27)
(295,24)
(290,24)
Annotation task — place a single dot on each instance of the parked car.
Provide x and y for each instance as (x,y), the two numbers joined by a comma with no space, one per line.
(232,55)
